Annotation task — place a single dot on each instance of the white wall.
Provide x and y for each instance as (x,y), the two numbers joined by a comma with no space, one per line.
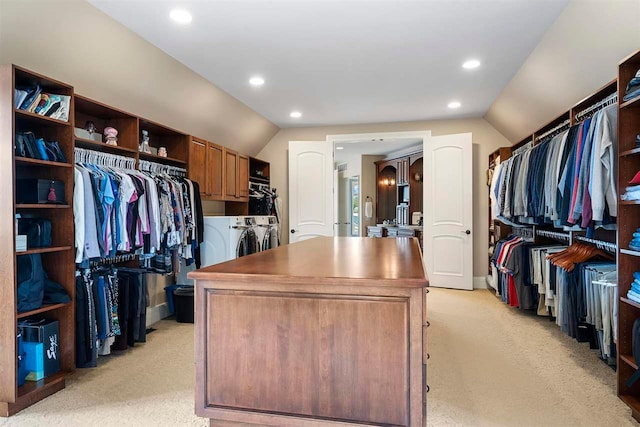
(485,140)
(577,56)
(74,42)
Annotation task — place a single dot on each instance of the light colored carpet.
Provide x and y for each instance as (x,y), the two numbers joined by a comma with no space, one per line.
(490,366)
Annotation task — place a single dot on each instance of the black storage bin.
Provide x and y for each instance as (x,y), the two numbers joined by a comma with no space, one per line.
(183,301)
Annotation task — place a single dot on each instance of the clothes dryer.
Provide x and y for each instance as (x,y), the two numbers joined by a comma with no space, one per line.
(267,230)
(227,238)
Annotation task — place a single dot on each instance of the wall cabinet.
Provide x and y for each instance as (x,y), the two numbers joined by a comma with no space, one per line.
(236,176)
(205,167)
(402,171)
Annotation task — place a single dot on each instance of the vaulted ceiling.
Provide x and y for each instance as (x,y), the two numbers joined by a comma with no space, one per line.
(340,62)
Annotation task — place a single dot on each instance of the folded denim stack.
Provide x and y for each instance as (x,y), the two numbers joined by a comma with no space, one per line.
(633,88)
(634,245)
(634,292)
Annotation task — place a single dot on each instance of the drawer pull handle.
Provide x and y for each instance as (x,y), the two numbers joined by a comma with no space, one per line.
(426,291)
(428,356)
(428,323)
(428,389)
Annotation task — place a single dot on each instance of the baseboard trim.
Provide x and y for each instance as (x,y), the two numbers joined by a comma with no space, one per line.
(479,282)
(157,313)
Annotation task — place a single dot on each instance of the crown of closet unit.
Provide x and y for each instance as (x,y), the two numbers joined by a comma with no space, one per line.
(57,258)
(628,223)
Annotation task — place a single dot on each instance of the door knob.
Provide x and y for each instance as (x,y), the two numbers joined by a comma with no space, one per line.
(467,232)
(293,231)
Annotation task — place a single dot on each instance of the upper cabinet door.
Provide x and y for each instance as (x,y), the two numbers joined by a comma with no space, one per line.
(197,165)
(243,176)
(230,175)
(215,171)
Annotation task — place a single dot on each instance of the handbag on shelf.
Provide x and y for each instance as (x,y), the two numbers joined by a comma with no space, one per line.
(37,230)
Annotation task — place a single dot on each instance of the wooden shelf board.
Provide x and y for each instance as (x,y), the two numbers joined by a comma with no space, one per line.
(45,119)
(45,250)
(33,392)
(260,180)
(629,202)
(98,109)
(41,206)
(629,252)
(632,401)
(628,360)
(36,162)
(99,146)
(32,386)
(45,308)
(631,152)
(629,302)
(159,159)
(632,103)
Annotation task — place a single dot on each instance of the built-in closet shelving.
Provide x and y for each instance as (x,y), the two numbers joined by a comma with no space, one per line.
(628,222)
(58,260)
(497,230)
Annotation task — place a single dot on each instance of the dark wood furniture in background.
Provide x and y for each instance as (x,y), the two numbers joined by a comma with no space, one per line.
(628,222)
(285,340)
(394,177)
(58,260)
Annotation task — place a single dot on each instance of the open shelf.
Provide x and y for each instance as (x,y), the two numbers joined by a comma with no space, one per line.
(629,302)
(100,146)
(631,152)
(40,206)
(36,162)
(38,118)
(160,159)
(629,252)
(44,309)
(44,250)
(32,386)
(629,361)
(632,103)
(259,180)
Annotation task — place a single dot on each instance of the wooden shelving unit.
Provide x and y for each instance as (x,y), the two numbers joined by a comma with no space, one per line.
(628,222)
(496,229)
(58,259)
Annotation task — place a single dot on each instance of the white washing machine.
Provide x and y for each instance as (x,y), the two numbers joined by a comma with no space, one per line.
(228,237)
(267,230)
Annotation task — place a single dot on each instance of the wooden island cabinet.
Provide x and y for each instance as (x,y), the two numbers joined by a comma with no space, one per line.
(328,331)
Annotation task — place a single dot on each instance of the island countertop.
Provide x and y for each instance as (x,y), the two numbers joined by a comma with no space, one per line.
(352,260)
(324,332)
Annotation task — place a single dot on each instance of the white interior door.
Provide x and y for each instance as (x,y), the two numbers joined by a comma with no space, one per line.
(310,190)
(448,211)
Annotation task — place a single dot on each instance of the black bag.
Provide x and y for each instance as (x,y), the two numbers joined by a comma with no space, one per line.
(31,279)
(55,152)
(37,230)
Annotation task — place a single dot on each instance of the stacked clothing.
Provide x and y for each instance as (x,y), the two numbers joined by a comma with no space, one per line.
(633,88)
(34,100)
(634,292)
(567,180)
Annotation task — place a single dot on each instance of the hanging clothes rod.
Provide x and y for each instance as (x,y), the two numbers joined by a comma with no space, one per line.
(609,100)
(113,260)
(600,244)
(523,148)
(551,132)
(258,185)
(554,235)
(525,233)
(154,167)
(83,155)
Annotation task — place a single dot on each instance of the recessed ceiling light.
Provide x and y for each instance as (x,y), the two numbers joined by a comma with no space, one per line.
(454,104)
(256,81)
(339,148)
(471,64)
(181,16)
(295,114)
